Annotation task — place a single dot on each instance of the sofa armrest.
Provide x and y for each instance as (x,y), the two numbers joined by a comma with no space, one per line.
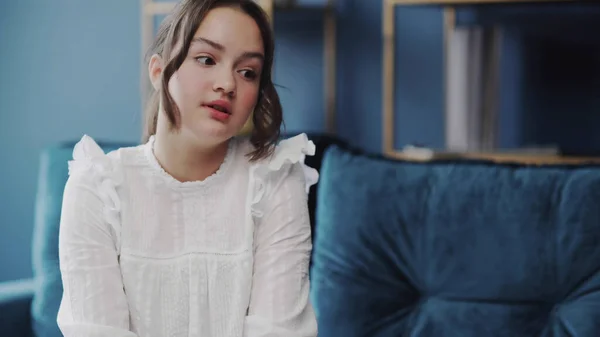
(15,305)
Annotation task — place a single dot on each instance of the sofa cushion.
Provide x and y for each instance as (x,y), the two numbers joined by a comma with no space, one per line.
(465,249)
(15,303)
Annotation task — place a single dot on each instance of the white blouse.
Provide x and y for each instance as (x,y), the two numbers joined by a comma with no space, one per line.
(144,255)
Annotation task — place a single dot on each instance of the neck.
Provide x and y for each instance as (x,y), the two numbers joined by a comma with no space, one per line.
(186,161)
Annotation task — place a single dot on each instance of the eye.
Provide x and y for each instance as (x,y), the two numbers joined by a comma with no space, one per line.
(249,74)
(205,60)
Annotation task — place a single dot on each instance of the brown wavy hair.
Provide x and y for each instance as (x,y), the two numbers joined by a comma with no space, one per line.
(179,28)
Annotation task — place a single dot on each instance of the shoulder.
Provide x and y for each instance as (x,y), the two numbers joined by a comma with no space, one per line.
(97,171)
(285,169)
(90,162)
(287,158)
(291,151)
(94,177)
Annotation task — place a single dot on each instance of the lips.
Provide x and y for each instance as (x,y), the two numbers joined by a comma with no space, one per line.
(220,105)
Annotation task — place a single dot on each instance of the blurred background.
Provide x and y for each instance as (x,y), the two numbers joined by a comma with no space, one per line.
(72,67)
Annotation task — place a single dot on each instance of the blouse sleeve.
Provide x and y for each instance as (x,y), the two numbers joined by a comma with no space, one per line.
(280,304)
(93,302)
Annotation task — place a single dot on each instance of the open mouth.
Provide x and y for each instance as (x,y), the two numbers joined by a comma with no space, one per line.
(219,108)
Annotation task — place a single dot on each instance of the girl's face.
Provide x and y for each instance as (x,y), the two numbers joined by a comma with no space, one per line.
(216,87)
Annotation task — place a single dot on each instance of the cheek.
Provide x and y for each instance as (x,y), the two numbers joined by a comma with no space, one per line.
(178,88)
(247,99)
(174,86)
(194,83)
(190,81)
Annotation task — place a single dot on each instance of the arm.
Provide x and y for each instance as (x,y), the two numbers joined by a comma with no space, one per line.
(93,302)
(279,304)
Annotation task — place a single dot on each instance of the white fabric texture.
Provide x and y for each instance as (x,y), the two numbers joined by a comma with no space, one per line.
(144,255)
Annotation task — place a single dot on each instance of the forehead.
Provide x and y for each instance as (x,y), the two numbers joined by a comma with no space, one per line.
(232,28)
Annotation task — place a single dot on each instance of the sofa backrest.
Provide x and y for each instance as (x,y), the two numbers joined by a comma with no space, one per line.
(464,249)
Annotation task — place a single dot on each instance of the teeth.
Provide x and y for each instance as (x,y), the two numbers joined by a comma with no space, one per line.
(219,108)
(216,107)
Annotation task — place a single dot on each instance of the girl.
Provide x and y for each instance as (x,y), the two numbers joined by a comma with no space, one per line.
(197,232)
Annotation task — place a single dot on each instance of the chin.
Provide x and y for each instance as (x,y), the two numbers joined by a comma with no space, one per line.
(213,134)
(207,130)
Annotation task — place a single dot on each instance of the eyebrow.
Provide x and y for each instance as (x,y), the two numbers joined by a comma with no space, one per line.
(220,47)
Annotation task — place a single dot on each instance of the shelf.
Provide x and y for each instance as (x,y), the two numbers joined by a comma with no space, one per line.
(165,7)
(302,4)
(470,2)
(487,94)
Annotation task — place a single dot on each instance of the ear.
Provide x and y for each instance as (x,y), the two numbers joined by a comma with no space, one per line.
(155,69)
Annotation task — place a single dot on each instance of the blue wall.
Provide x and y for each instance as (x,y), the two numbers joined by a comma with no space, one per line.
(68,67)
(72,67)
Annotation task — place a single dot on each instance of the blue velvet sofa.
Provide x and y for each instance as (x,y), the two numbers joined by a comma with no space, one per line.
(457,249)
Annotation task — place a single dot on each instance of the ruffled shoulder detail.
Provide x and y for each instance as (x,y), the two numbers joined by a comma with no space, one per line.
(90,160)
(288,152)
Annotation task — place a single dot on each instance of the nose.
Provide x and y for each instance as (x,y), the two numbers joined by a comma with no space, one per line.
(225,82)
